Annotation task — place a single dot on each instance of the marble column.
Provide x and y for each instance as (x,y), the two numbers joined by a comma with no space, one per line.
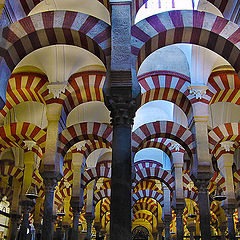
(97,227)
(179,222)
(230,222)
(38,230)
(89,218)
(50,181)
(223,228)
(204,208)
(167,222)
(160,228)
(13,225)
(26,205)
(76,214)
(155,235)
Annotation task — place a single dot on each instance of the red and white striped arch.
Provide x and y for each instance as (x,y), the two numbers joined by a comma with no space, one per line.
(163,129)
(143,215)
(147,184)
(155,173)
(163,144)
(82,87)
(50,28)
(146,164)
(13,135)
(90,146)
(9,170)
(83,131)
(166,85)
(95,173)
(147,193)
(217,180)
(224,86)
(153,208)
(200,28)
(221,133)
(24,87)
(99,195)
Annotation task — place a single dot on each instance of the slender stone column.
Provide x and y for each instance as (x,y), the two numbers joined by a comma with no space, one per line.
(26,207)
(50,181)
(76,214)
(223,228)
(38,230)
(160,228)
(13,225)
(204,207)
(155,235)
(231,228)
(167,222)
(122,98)
(179,223)
(97,227)
(122,113)
(89,218)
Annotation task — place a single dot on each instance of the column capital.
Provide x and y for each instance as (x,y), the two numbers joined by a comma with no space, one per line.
(27,205)
(191,227)
(202,184)
(198,91)
(50,179)
(229,209)
(122,110)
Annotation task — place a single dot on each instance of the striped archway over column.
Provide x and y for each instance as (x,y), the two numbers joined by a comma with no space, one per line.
(164,129)
(183,26)
(168,86)
(82,131)
(224,132)
(224,86)
(23,87)
(82,87)
(51,28)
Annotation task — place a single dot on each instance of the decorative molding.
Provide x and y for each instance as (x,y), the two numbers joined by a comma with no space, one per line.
(57,88)
(29,144)
(227,145)
(79,145)
(175,146)
(198,91)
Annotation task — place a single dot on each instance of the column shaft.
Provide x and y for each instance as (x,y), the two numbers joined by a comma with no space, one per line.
(230,223)
(167,230)
(179,223)
(75,231)
(13,225)
(24,226)
(121,183)
(204,211)
(50,181)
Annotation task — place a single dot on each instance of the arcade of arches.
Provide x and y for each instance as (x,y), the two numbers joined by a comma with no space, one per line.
(119,119)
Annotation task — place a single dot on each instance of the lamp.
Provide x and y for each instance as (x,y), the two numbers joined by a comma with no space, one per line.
(61,213)
(218,196)
(32,192)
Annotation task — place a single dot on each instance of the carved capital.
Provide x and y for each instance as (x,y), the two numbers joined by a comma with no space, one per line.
(175,146)
(198,91)
(227,145)
(50,180)
(202,185)
(79,145)
(29,144)
(56,89)
(179,212)
(122,110)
